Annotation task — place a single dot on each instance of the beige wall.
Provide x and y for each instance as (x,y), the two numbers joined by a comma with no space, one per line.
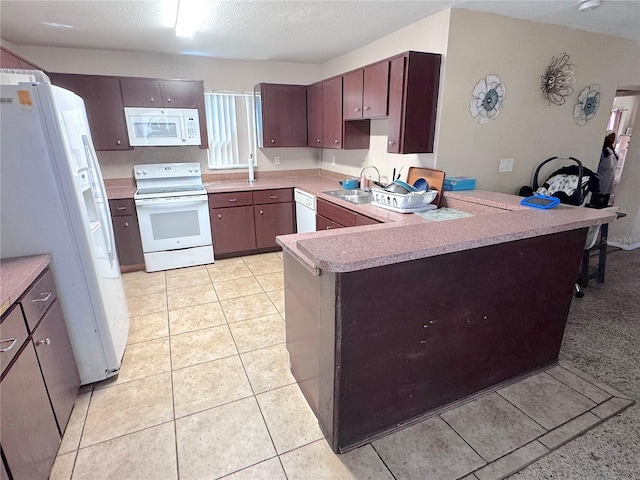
(527,129)
(233,75)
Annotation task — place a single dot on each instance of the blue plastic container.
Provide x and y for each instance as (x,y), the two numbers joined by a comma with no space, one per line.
(459,183)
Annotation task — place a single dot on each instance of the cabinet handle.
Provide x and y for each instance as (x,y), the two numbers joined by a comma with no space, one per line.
(357,109)
(391,142)
(153,99)
(367,107)
(328,228)
(126,224)
(273,197)
(261,212)
(318,141)
(232,200)
(122,208)
(220,215)
(273,141)
(47,295)
(118,142)
(46,341)
(336,141)
(168,100)
(13,342)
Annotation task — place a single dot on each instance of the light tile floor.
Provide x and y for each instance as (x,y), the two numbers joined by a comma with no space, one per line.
(205,392)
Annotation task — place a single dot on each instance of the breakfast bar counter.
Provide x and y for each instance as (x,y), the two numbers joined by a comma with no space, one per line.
(387,324)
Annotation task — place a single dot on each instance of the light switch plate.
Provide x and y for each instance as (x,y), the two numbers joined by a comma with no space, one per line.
(276,160)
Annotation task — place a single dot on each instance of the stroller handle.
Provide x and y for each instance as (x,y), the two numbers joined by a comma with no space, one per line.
(535,175)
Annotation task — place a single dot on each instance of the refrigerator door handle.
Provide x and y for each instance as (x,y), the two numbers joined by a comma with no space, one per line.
(96,186)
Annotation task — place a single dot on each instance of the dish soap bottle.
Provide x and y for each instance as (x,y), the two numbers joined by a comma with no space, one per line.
(364,183)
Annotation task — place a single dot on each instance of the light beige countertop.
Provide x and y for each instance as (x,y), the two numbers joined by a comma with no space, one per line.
(16,274)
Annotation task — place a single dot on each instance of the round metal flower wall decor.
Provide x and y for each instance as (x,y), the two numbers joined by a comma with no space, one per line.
(557,80)
(587,106)
(488,96)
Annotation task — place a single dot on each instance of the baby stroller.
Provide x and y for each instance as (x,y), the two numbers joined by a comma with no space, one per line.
(569,184)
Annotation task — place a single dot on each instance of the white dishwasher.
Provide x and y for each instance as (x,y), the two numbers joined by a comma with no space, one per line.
(305,211)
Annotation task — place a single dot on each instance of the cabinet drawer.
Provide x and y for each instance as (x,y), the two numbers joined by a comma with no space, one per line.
(236,199)
(122,206)
(336,213)
(13,333)
(326,224)
(38,298)
(273,196)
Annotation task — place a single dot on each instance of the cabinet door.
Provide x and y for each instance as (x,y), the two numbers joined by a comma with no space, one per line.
(232,229)
(272,220)
(141,92)
(352,100)
(105,110)
(178,93)
(57,363)
(396,95)
(284,115)
(314,115)
(332,113)
(376,90)
(413,100)
(364,220)
(323,223)
(128,242)
(30,437)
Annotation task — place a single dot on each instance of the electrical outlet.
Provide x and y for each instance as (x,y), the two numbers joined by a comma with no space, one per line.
(506,165)
(333,160)
(276,160)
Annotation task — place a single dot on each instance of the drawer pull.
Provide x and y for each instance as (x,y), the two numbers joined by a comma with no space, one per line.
(122,208)
(261,212)
(219,215)
(126,224)
(47,295)
(118,142)
(273,197)
(232,200)
(46,341)
(13,342)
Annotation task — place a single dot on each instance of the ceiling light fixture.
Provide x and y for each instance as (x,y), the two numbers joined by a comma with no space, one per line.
(187,18)
(586,5)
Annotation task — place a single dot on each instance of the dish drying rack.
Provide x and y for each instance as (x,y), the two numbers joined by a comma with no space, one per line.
(404,203)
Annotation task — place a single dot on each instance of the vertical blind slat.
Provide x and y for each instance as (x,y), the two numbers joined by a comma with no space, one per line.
(229,128)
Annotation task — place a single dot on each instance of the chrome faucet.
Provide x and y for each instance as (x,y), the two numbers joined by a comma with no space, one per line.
(369,166)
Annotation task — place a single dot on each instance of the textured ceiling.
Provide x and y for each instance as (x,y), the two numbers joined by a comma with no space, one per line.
(297,31)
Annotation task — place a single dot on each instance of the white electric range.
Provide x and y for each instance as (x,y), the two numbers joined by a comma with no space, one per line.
(173,214)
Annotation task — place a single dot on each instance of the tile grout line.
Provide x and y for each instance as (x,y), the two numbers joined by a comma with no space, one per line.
(173,395)
(487,462)
(382,460)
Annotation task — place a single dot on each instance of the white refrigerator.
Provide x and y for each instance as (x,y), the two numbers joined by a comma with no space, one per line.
(53,200)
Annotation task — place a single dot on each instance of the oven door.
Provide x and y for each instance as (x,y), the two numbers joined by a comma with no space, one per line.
(173,223)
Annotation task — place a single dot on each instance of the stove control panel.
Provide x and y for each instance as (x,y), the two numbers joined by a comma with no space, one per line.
(166,170)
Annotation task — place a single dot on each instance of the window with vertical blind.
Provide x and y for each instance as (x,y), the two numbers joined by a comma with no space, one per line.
(230,129)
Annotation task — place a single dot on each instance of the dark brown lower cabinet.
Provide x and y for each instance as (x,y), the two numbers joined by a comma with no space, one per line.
(126,232)
(30,436)
(323,223)
(232,229)
(245,222)
(272,220)
(58,365)
(39,383)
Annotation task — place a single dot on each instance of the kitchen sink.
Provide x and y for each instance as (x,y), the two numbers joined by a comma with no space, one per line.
(353,196)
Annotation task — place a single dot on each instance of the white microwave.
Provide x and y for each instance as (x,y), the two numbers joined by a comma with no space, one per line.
(159,127)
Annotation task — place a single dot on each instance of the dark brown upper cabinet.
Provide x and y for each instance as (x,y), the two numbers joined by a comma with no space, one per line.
(366,92)
(332,113)
(103,101)
(413,100)
(314,115)
(11,60)
(281,113)
(149,92)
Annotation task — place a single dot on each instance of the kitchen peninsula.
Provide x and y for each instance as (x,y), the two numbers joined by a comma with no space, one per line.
(388,323)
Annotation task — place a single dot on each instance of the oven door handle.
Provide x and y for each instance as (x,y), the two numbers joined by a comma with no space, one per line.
(162,202)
